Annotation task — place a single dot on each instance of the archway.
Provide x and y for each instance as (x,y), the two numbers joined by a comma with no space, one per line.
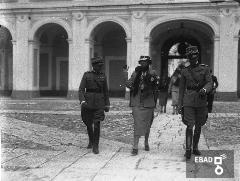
(177,34)
(6,62)
(51,50)
(109,43)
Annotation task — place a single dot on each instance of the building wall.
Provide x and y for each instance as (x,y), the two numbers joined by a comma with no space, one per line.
(80,18)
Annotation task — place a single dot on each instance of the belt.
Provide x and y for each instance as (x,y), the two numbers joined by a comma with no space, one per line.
(191,88)
(93,90)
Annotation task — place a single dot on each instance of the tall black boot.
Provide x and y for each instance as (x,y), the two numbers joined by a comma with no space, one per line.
(90,136)
(189,134)
(196,137)
(96,136)
(146,141)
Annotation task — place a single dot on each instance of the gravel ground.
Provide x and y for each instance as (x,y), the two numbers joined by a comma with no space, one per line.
(221,131)
(226,107)
(114,127)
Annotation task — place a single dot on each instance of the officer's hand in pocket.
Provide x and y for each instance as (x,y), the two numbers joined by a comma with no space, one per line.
(106,109)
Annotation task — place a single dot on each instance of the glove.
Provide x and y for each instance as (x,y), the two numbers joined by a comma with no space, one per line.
(202,93)
(138,69)
(83,103)
(106,109)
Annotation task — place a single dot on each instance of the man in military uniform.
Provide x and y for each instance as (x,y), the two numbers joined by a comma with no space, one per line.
(210,96)
(195,83)
(94,100)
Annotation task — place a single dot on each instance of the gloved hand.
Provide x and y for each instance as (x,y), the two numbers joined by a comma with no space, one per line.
(138,69)
(202,93)
(106,109)
(83,103)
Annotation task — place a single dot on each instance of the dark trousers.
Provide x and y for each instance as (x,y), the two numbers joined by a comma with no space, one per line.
(92,119)
(210,99)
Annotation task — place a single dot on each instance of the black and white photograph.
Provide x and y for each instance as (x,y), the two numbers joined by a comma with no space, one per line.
(120,90)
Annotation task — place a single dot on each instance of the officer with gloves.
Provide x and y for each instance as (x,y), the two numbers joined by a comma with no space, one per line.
(195,83)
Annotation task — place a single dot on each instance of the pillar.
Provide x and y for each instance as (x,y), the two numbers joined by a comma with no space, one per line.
(129,64)
(138,42)
(228,56)
(77,58)
(22,65)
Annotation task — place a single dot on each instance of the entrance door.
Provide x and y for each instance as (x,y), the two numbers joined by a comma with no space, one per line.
(116,81)
(62,76)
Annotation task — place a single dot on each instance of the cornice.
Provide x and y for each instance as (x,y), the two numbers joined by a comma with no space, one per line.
(110,5)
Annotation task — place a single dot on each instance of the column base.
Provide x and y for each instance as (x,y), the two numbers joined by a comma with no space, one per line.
(72,95)
(226,96)
(18,94)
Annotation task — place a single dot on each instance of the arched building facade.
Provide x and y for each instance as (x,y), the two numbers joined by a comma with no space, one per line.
(46,47)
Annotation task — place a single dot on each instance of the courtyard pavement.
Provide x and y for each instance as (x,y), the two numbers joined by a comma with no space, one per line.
(69,160)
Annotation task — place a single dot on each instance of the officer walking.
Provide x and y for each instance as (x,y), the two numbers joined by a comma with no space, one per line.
(94,100)
(195,83)
(210,96)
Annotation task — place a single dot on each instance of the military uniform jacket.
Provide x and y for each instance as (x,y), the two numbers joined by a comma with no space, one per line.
(188,94)
(94,90)
(145,98)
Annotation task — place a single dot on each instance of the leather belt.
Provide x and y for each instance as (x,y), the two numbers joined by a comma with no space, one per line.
(93,90)
(191,88)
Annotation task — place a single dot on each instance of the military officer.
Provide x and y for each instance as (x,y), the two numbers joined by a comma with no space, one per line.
(210,96)
(94,100)
(195,83)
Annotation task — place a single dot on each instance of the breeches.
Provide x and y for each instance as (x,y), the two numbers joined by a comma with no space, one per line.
(195,116)
(90,116)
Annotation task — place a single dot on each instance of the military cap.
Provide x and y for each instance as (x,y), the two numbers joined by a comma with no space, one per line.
(145,58)
(192,50)
(97,60)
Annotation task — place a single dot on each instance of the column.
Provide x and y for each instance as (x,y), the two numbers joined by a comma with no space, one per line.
(147,41)
(77,65)
(216,56)
(14,49)
(138,41)
(23,87)
(71,70)
(33,58)
(228,56)
(129,64)
(129,53)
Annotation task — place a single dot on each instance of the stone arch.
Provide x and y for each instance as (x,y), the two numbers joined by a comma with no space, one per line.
(58,21)
(165,19)
(10,27)
(100,20)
